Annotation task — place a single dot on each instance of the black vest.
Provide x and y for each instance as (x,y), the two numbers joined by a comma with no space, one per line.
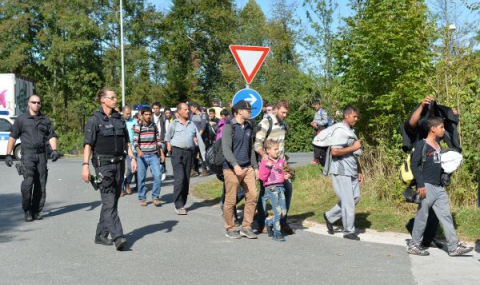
(110,135)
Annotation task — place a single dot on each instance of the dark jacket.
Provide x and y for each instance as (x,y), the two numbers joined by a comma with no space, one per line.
(239,151)
(450,120)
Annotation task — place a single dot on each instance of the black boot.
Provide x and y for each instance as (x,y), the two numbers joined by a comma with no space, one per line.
(37,216)
(28,216)
(100,239)
(120,243)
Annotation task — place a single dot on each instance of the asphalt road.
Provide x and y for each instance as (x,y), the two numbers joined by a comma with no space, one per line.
(170,249)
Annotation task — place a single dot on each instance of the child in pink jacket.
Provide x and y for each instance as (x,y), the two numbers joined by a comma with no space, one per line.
(273,175)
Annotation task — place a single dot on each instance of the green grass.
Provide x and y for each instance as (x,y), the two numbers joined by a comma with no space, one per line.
(381,206)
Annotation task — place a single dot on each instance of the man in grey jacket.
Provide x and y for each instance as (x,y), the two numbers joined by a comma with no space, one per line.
(346,179)
(239,169)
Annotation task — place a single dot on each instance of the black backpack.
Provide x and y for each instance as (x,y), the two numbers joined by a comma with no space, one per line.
(214,155)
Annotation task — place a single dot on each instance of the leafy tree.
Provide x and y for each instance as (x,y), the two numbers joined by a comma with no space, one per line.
(383,59)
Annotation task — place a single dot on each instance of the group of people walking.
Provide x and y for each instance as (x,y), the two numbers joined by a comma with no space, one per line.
(251,151)
(422,133)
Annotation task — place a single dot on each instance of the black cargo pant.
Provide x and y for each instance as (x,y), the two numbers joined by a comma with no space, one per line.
(34,182)
(110,188)
(181,163)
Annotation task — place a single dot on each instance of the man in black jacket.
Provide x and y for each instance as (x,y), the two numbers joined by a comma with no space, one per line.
(239,169)
(427,170)
(415,129)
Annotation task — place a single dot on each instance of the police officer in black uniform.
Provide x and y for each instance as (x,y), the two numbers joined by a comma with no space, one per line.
(35,129)
(106,141)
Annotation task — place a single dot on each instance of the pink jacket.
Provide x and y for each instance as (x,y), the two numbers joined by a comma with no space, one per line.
(272,175)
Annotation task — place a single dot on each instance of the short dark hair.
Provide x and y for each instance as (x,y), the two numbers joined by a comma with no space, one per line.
(167,109)
(348,110)
(195,104)
(145,109)
(282,103)
(156,103)
(211,110)
(317,102)
(224,112)
(434,122)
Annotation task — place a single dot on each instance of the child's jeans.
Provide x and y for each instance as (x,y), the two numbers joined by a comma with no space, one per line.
(276,195)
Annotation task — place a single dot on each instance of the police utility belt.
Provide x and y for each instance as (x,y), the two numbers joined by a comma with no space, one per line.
(102,160)
(33,148)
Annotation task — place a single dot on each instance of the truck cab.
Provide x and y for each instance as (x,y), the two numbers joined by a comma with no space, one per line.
(6,124)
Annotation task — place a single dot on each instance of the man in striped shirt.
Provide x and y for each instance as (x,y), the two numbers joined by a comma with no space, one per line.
(148,145)
(277,134)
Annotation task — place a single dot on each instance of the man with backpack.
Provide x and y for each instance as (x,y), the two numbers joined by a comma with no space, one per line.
(239,169)
(427,169)
(149,150)
(415,129)
(273,128)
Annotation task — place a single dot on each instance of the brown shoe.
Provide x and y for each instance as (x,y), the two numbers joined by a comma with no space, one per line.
(122,193)
(204,173)
(143,203)
(157,202)
(181,211)
(128,190)
(193,173)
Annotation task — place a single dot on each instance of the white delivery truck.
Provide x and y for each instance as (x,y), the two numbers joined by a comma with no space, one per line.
(14,93)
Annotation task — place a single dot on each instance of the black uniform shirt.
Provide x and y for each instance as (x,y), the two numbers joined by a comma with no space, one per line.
(33,130)
(106,135)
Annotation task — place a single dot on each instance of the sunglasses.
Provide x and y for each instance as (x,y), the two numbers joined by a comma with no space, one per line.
(111,98)
(36,102)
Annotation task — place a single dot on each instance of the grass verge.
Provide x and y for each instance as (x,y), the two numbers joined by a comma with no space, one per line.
(313,194)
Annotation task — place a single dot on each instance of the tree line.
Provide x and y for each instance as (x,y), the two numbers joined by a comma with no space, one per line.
(384,59)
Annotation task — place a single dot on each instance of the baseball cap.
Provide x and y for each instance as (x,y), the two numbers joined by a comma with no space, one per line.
(243,105)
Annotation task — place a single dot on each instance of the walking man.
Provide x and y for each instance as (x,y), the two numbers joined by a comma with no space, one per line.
(427,170)
(106,141)
(239,169)
(182,137)
(36,130)
(320,122)
(200,120)
(273,127)
(346,176)
(130,123)
(149,149)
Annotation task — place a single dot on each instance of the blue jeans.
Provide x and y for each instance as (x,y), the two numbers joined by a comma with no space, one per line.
(276,194)
(149,160)
(129,177)
(262,202)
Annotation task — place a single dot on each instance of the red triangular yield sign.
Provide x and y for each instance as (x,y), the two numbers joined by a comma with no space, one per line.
(249,59)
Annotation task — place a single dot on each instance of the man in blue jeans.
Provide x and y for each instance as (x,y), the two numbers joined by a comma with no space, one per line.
(149,148)
(130,123)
